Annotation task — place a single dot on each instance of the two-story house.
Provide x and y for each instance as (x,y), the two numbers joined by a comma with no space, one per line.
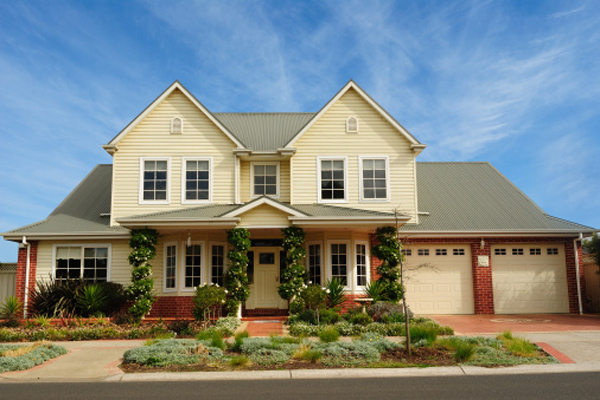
(473,242)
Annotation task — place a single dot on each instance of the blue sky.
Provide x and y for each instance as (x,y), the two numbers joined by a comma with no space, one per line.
(515,83)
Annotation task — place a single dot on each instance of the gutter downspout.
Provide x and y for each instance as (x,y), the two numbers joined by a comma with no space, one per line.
(577,274)
(27,264)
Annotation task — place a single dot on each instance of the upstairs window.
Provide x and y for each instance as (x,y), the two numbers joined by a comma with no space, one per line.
(332,180)
(196,183)
(176,125)
(265,180)
(352,125)
(374,177)
(154,181)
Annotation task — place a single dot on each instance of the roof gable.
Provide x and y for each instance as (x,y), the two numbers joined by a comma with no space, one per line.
(112,145)
(415,144)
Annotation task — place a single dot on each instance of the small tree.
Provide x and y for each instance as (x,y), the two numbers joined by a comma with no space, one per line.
(236,279)
(593,246)
(293,277)
(143,245)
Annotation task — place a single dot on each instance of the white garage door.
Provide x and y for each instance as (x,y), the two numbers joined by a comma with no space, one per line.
(529,278)
(439,279)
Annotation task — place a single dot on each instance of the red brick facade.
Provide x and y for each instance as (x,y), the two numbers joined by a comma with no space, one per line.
(21,272)
(172,307)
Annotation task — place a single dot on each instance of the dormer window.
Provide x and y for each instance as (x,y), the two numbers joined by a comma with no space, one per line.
(351,124)
(176,126)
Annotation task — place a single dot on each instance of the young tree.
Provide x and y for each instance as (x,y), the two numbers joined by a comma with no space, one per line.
(593,246)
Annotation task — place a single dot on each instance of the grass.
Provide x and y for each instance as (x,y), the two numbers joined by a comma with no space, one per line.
(517,346)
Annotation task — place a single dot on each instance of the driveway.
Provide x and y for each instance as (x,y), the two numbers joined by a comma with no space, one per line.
(570,338)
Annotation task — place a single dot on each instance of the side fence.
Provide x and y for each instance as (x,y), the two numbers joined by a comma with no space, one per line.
(8,280)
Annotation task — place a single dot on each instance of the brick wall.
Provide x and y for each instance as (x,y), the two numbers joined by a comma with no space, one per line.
(172,307)
(21,265)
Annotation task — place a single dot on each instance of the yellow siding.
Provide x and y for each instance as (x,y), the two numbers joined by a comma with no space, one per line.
(376,136)
(246,178)
(120,271)
(152,138)
(264,215)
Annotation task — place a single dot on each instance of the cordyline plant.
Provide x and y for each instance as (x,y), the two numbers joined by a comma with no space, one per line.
(143,244)
(236,279)
(293,277)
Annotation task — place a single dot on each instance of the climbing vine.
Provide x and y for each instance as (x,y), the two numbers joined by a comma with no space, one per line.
(293,277)
(140,292)
(236,279)
(388,251)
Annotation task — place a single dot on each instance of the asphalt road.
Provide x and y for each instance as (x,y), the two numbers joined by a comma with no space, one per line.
(525,386)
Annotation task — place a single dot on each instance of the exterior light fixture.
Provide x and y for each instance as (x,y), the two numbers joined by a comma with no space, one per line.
(482,244)
(189,240)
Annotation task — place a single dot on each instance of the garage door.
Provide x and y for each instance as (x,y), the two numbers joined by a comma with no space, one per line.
(439,279)
(529,278)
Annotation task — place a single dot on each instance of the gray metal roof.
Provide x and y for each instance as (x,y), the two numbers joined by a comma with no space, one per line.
(458,196)
(475,196)
(264,131)
(81,210)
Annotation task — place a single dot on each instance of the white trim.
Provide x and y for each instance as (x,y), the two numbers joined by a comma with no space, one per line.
(180,126)
(346,189)
(277,192)
(141,181)
(386,159)
(168,244)
(203,272)
(367,265)
(368,99)
(349,263)
(83,246)
(261,201)
(176,85)
(184,161)
(210,256)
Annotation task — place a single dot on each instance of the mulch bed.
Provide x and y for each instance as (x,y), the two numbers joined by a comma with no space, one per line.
(421,357)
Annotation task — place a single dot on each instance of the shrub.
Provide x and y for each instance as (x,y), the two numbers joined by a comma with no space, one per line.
(344,353)
(236,278)
(374,290)
(92,300)
(228,325)
(239,361)
(10,311)
(17,358)
(314,297)
(381,309)
(297,306)
(463,351)
(206,298)
(426,333)
(359,318)
(181,327)
(329,334)
(303,329)
(239,340)
(266,356)
(293,276)
(172,352)
(379,342)
(143,249)
(335,293)
(388,251)
(308,316)
(329,316)
(307,353)
(517,346)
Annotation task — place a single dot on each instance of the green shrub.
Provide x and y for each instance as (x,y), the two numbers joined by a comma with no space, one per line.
(335,293)
(307,353)
(329,316)
(329,334)
(228,325)
(344,353)
(92,300)
(10,311)
(426,333)
(359,318)
(172,352)
(181,327)
(379,342)
(33,355)
(297,306)
(239,340)
(266,356)
(302,329)
(314,297)
(464,351)
(374,290)
(239,361)
(309,316)
(517,346)
(206,298)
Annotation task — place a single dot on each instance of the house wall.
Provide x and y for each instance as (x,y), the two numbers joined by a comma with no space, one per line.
(376,136)
(152,138)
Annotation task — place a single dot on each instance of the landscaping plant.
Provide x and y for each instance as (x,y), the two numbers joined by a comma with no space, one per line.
(236,279)
(293,277)
(207,298)
(11,311)
(335,293)
(143,244)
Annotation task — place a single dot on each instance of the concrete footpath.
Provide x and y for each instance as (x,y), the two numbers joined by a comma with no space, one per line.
(99,360)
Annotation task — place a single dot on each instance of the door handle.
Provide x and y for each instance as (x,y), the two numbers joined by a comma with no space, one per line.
(276,279)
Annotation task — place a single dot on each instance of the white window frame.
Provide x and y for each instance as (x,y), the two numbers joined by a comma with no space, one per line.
(210,265)
(277,192)
(307,259)
(177,259)
(141,180)
(362,198)
(203,272)
(348,122)
(319,189)
(367,264)
(184,161)
(349,262)
(84,246)
(173,132)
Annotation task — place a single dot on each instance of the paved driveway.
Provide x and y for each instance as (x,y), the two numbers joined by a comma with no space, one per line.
(575,336)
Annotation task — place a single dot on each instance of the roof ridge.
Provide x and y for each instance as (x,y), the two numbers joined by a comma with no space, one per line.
(264,112)
(454,162)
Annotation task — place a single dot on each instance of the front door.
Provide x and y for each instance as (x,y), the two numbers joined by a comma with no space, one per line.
(263,293)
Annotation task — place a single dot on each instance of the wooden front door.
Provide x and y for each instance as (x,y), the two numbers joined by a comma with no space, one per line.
(263,293)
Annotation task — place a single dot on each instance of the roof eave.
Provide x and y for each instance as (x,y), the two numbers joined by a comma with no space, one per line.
(11,236)
(496,233)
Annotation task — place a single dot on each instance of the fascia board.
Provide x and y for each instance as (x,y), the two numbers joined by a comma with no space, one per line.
(368,99)
(160,99)
(492,233)
(66,236)
(261,201)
